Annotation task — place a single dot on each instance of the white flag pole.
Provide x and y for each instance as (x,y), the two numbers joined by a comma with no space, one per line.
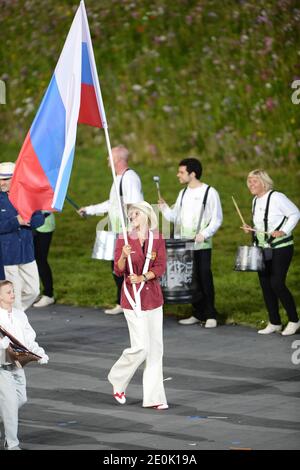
(105,127)
(118,198)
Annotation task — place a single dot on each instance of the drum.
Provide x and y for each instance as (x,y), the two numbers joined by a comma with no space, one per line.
(104,246)
(179,284)
(249,258)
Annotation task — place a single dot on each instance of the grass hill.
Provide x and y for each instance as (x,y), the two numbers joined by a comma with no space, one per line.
(204,76)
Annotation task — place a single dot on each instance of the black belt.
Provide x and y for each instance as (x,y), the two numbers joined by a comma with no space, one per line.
(9,367)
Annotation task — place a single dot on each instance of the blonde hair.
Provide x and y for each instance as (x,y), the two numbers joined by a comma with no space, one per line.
(264,178)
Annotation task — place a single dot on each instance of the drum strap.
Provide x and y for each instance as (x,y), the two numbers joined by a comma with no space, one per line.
(202,209)
(183,193)
(136,306)
(202,206)
(267,239)
(121,182)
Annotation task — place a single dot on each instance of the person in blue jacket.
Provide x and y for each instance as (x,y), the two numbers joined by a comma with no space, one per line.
(16,243)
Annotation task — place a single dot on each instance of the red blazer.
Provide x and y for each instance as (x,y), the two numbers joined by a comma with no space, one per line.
(151,294)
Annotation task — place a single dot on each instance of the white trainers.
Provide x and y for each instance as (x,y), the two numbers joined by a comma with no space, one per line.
(120,397)
(291,328)
(114,311)
(189,321)
(210,323)
(44,301)
(270,328)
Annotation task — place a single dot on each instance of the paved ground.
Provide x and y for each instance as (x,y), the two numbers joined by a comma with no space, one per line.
(227,388)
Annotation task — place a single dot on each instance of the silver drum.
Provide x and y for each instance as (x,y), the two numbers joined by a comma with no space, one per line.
(104,246)
(249,258)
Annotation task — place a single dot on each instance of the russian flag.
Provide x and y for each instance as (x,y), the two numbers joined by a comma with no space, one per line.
(44,165)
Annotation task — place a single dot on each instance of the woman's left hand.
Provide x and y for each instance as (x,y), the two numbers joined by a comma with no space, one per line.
(278,233)
(135,278)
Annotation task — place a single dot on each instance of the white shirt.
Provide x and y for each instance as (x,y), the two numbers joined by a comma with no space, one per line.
(280,207)
(188,217)
(16,323)
(132,193)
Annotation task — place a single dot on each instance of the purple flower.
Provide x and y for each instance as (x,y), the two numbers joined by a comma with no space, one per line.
(270,103)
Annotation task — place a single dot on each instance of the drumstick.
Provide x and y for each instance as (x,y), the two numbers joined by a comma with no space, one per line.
(156,180)
(72,203)
(255,230)
(76,206)
(238,211)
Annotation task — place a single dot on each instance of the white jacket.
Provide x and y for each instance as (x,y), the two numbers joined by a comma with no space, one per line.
(132,193)
(16,323)
(185,216)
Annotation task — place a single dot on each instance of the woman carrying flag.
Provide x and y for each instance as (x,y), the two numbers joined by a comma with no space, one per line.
(143,311)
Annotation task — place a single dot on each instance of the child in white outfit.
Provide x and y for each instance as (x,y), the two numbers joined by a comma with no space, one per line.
(12,378)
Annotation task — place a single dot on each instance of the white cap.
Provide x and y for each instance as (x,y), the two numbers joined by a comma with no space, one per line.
(6,170)
(145,207)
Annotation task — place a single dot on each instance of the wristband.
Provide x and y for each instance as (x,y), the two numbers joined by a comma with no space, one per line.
(145,277)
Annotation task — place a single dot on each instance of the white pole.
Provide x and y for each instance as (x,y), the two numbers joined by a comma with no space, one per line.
(104,124)
(119,203)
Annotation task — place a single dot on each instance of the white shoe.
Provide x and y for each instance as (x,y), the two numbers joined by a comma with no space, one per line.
(114,311)
(189,321)
(44,301)
(163,406)
(120,397)
(210,323)
(291,328)
(270,329)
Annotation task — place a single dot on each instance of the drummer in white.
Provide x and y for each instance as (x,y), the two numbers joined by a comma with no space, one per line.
(186,215)
(130,190)
(274,217)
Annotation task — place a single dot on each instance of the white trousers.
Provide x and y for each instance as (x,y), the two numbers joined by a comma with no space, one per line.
(25,278)
(146,338)
(12,397)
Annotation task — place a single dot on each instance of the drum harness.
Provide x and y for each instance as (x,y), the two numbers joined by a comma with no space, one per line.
(202,206)
(269,240)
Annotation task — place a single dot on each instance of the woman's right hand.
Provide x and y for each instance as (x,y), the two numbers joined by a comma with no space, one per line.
(247,228)
(126,250)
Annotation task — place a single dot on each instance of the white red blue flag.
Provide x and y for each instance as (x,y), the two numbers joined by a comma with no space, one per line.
(44,165)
